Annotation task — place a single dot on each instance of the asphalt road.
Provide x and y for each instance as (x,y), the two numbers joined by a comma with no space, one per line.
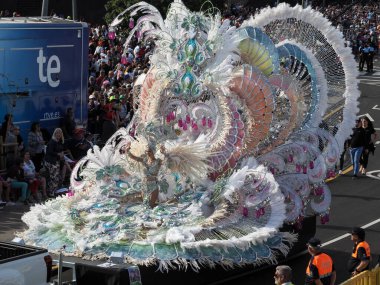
(354,203)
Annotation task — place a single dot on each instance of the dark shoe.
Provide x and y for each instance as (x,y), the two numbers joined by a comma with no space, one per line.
(26,203)
(354,177)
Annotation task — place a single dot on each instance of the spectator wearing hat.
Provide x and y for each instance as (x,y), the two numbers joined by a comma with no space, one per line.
(79,145)
(361,252)
(93,114)
(106,88)
(320,269)
(283,275)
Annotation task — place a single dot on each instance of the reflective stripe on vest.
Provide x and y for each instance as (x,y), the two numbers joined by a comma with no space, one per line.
(364,245)
(324,264)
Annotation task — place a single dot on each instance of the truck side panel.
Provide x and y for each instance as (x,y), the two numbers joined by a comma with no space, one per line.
(43,71)
(32,269)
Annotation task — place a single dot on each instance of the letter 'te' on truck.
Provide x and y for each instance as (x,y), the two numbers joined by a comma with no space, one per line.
(43,71)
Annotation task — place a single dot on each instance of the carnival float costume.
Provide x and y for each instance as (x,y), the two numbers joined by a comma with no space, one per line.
(232,118)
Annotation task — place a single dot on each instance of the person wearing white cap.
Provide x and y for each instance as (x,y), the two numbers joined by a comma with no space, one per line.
(93,114)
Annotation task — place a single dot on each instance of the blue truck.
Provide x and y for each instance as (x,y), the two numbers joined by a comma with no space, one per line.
(43,70)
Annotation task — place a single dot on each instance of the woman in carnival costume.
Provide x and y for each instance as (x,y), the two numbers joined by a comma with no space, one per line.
(238,112)
(152,167)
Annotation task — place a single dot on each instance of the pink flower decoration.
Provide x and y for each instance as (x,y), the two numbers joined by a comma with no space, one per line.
(131,23)
(209,123)
(204,121)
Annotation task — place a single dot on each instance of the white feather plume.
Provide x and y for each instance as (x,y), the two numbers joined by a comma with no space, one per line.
(188,159)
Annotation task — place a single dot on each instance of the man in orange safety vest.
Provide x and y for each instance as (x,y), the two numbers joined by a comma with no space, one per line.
(320,270)
(361,252)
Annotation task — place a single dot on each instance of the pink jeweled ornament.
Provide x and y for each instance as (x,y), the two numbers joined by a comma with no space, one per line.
(131,23)
(209,123)
(319,191)
(204,121)
(258,213)
(245,211)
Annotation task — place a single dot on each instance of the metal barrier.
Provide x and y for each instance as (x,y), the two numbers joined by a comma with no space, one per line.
(369,277)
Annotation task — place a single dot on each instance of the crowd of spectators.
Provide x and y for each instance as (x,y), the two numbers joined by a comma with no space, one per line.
(113,70)
(358,22)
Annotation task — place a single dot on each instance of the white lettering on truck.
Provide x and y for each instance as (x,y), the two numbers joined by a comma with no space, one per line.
(52,115)
(41,60)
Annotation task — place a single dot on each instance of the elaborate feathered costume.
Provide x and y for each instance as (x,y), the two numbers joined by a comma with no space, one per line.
(238,114)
